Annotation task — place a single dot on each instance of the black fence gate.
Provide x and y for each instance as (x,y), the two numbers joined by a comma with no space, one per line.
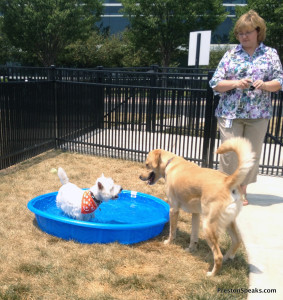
(121,113)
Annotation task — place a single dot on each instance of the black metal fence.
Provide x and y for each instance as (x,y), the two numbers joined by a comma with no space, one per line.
(26,120)
(118,113)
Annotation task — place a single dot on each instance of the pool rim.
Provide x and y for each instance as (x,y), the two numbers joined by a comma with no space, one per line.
(132,226)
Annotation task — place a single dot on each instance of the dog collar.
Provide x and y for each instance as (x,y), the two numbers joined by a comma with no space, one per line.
(168,162)
(89,203)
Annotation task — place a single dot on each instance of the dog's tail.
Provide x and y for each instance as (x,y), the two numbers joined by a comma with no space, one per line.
(62,176)
(246,159)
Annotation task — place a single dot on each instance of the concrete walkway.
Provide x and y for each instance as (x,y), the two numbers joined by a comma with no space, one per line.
(261,227)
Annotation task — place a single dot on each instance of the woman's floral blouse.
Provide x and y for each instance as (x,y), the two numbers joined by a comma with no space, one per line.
(237,64)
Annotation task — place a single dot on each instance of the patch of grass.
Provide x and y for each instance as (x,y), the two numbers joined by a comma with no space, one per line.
(32,268)
(15,292)
(100,296)
(133,282)
(35,265)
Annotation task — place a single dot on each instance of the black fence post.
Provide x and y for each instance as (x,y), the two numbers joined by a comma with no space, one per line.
(52,78)
(210,126)
(152,97)
(213,132)
(99,103)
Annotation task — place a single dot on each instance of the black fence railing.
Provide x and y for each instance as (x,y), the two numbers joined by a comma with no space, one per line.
(27,120)
(118,113)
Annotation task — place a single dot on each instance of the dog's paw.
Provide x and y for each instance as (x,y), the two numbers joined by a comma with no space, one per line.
(192,248)
(167,242)
(228,257)
(209,274)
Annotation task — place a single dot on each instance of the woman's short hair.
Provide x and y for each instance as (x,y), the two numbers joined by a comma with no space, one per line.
(251,19)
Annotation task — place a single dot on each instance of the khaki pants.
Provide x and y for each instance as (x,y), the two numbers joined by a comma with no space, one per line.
(252,129)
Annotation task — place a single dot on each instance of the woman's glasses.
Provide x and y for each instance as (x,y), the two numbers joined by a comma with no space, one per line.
(248,33)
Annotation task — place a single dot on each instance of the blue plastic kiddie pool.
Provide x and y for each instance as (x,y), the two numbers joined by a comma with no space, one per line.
(132,218)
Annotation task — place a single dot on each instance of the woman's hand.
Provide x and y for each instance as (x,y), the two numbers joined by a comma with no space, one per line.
(270,86)
(259,84)
(227,85)
(244,83)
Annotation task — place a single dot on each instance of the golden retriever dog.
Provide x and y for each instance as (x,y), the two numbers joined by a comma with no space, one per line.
(216,196)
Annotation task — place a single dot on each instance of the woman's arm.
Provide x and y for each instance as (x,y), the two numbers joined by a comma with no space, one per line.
(271,86)
(227,85)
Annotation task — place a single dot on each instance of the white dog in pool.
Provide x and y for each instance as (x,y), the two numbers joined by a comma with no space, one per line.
(81,204)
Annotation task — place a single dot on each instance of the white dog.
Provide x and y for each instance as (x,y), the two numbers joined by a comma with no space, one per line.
(81,204)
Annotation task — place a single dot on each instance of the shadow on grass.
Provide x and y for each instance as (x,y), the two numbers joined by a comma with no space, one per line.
(17,291)
(203,251)
(31,162)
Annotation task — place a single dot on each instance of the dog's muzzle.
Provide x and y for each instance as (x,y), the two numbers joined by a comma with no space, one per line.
(117,196)
(150,178)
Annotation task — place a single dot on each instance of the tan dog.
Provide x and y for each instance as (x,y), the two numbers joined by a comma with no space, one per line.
(206,192)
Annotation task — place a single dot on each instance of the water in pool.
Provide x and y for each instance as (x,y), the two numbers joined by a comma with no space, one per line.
(127,209)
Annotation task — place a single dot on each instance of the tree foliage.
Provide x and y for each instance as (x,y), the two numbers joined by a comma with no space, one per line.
(104,50)
(45,27)
(272,12)
(162,26)
(96,50)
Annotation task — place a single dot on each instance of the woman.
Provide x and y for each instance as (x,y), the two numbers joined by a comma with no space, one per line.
(245,78)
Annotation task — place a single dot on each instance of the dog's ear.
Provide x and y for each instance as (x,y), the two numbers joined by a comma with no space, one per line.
(100,186)
(156,158)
